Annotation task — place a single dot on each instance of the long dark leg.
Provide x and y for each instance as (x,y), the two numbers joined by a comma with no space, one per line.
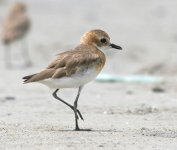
(75,108)
(7,56)
(25,53)
(77,111)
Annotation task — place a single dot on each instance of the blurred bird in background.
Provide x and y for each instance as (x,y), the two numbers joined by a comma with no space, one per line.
(15,27)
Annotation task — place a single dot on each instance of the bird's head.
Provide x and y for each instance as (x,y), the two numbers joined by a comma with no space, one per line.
(98,38)
(18,7)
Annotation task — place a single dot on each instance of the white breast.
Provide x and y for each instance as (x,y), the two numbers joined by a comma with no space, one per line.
(73,81)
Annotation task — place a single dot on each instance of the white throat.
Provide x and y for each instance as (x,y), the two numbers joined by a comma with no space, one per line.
(104,49)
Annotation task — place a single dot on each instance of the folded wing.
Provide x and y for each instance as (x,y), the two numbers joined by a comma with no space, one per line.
(66,64)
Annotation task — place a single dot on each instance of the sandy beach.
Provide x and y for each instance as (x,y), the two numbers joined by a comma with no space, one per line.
(121,115)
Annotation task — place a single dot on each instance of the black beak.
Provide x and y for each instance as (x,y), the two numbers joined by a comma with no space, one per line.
(115,46)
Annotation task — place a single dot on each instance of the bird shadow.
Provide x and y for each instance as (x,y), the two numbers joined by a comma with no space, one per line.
(85,130)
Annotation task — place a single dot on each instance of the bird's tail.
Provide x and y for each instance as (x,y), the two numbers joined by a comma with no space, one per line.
(27,78)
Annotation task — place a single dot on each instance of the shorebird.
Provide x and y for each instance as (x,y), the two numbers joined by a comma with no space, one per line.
(76,67)
(14,27)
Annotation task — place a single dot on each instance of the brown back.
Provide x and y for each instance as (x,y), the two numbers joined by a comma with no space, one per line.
(70,62)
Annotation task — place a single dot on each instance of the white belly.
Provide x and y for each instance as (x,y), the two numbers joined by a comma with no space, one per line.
(74,81)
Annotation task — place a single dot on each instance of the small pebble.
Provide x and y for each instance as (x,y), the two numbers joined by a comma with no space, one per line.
(158,90)
(9,98)
(129,92)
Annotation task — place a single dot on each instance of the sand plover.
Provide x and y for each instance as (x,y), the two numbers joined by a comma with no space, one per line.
(75,68)
(15,27)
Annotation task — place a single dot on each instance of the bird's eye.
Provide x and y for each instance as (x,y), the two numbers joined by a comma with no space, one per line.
(103,40)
